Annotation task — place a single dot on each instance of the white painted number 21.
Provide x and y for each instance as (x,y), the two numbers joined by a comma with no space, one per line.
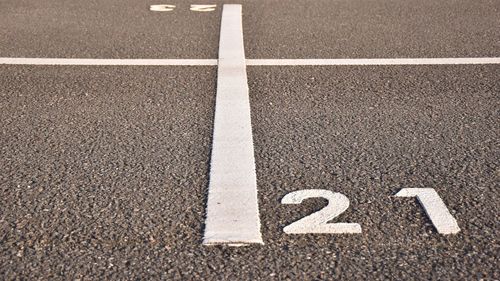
(317,222)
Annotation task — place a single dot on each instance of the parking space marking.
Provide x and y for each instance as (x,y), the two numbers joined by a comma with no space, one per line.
(202,8)
(434,207)
(318,222)
(232,214)
(232,209)
(398,61)
(162,8)
(250,62)
(63,61)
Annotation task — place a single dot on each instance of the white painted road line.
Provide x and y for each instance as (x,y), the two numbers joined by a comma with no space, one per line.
(250,62)
(59,61)
(435,208)
(232,209)
(401,61)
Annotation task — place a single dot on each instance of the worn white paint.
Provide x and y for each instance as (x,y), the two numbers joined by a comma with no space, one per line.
(202,8)
(162,8)
(232,209)
(435,208)
(318,222)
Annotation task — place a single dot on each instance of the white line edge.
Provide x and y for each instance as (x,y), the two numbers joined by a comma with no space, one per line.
(74,61)
(250,62)
(388,61)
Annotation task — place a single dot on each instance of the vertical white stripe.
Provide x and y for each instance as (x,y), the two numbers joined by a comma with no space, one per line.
(232,209)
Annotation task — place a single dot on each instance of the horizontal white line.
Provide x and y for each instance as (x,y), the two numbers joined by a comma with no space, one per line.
(60,61)
(250,62)
(399,61)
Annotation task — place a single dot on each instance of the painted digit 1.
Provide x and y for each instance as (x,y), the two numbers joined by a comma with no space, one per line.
(435,208)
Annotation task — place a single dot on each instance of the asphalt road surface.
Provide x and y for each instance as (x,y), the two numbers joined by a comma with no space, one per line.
(104,170)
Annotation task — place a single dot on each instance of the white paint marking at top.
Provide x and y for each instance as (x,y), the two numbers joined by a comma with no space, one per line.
(161,8)
(202,8)
(249,62)
(232,208)
(395,61)
(60,61)
(435,208)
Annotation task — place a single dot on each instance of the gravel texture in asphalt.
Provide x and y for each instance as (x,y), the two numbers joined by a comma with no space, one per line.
(104,170)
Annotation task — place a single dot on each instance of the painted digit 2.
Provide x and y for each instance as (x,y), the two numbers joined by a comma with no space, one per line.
(318,222)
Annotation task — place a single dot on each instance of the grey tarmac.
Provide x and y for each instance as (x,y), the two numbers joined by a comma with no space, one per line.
(272,29)
(104,169)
